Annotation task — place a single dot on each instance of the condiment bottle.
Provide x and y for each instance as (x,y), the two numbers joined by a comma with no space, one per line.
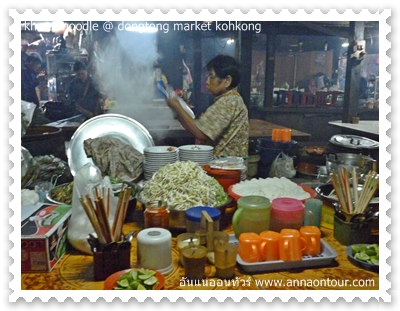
(156,214)
(252,215)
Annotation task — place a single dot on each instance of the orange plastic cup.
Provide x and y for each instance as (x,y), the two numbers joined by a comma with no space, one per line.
(276,135)
(286,135)
(249,247)
(291,245)
(312,236)
(270,249)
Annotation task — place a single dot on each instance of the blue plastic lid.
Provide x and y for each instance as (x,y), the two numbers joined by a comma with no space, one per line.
(194,213)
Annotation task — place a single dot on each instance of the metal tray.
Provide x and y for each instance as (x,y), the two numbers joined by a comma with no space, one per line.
(324,259)
(129,131)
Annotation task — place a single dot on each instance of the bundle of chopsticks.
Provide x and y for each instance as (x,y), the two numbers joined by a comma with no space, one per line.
(352,202)
(98,212)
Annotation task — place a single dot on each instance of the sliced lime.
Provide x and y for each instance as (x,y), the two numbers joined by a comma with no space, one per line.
(133,274)
(123,283)
(374,261)
(361,256)
(356,248)
(151,281)
(141,271)
(370,252)
(134,284)
(144,276)
(141,287)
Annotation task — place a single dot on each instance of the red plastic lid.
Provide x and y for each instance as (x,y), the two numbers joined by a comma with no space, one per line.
(287,208)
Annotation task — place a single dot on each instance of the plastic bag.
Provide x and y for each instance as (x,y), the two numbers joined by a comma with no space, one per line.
(27,110)
(282,166)
(85,181)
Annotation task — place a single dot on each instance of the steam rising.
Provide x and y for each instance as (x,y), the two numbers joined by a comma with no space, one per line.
(125,72)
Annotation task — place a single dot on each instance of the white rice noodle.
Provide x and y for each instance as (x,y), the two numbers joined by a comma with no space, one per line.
(271,188)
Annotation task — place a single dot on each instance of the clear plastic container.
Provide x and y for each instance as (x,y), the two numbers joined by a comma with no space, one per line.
(193,217)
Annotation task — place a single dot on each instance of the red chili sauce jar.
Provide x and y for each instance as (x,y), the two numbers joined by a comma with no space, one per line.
(156,214)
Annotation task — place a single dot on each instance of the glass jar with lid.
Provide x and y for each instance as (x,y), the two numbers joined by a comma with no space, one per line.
(156,214)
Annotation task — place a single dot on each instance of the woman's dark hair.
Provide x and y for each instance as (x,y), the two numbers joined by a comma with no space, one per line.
(78,65)
(224,66)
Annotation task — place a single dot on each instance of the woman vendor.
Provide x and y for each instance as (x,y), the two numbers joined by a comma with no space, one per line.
(225,123)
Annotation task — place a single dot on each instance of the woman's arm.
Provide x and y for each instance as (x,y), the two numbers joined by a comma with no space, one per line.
(84,111)
(186,120)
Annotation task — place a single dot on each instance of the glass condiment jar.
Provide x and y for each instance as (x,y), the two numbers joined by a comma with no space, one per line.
(252,215)
(156,214)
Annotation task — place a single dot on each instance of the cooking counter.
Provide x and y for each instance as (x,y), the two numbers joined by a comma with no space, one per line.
(75,272)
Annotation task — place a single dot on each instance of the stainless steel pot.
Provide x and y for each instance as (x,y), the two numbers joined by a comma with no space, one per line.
(362,163)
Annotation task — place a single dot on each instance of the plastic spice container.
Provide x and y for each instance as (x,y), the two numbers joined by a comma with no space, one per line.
(156,215)
(286,213)
(193,217)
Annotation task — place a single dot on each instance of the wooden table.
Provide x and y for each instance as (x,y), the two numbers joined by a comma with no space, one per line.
(261,129)
(75,272)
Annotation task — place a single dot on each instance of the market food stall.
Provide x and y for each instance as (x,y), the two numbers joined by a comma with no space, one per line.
(76,268)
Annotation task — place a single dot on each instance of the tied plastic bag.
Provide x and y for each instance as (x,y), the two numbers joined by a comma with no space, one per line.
(282,166)
(85,181)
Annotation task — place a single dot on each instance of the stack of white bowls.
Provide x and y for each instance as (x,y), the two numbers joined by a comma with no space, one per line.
(201,154)
(156,157)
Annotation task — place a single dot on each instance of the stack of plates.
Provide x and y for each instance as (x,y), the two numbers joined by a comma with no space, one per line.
(156,157)
(201,154)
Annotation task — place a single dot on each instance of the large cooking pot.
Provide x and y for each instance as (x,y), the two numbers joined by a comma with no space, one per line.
(362,163)
(44,140)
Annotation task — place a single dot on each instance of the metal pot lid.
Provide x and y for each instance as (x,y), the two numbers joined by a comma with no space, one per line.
(127,130)
(354,142)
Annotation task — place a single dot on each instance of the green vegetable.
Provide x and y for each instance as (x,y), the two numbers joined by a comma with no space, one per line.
(141,279)
(368,254)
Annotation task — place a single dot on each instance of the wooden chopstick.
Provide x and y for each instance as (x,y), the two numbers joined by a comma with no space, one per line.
(93,220)
(98,213)
(120,213)
(338,188)
(355,188)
